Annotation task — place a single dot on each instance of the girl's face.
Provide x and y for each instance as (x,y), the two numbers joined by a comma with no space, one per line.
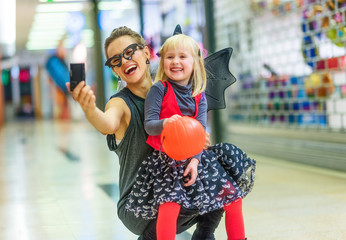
(130,70)
(178,64)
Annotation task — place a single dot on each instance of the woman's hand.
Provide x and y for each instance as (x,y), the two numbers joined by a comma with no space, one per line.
(207,140)
(84,96)
(191,171)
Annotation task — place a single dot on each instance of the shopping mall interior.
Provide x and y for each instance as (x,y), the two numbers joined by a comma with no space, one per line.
(285,107)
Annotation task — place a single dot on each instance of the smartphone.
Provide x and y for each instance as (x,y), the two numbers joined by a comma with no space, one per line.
(77,74)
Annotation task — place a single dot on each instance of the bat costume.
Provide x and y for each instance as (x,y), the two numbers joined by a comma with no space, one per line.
(225,172)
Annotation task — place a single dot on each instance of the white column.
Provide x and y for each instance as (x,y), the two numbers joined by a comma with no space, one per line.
(8,27)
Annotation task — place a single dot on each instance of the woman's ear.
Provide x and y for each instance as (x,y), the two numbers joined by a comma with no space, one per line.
(147,52)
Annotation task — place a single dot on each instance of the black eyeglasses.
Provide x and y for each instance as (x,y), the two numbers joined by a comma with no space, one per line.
(115,61)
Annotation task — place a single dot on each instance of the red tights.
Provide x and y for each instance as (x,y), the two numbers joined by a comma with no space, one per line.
(234,220)
(166,226)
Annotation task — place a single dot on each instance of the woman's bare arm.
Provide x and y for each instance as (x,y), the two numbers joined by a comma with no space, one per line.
(106,122)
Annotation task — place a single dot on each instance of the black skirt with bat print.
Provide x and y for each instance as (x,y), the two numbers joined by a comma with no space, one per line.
(225,174)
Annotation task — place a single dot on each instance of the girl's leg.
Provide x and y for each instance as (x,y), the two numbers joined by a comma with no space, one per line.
(166,226)
(234,220)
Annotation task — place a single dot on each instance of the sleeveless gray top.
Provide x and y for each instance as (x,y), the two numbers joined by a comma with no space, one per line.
(131,151)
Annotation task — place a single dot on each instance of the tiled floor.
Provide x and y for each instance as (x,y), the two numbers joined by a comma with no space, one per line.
(58,181)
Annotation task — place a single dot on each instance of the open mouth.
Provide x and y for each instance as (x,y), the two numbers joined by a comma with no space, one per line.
(130,69)
(176,69)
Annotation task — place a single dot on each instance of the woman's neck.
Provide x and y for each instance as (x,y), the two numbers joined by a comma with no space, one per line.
(140,88)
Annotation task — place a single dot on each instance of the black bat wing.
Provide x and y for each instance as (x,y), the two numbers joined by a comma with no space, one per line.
(219,78)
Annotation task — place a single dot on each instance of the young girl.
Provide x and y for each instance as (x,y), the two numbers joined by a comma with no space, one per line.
(219,177)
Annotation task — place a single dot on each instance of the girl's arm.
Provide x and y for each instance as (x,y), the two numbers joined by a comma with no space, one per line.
(202,111)
(152,108)
(107,122)
(202,118)
(192,167)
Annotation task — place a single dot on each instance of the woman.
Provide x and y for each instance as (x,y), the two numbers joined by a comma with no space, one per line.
(123,122)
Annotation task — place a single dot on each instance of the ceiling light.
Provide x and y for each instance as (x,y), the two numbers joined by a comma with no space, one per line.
(59,7)
(42,45)
(117,5)
(46,35)
(45,1)
(50,16)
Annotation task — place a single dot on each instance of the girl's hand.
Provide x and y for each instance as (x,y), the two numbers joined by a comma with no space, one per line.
(191,170)
(171,119)
(207,140)
(84,96)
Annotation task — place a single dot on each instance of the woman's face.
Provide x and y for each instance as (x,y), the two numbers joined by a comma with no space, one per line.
(131,70)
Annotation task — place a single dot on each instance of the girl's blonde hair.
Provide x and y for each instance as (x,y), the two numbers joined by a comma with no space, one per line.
(198,76)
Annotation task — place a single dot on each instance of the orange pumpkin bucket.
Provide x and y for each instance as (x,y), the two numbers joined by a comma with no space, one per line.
(183,138)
